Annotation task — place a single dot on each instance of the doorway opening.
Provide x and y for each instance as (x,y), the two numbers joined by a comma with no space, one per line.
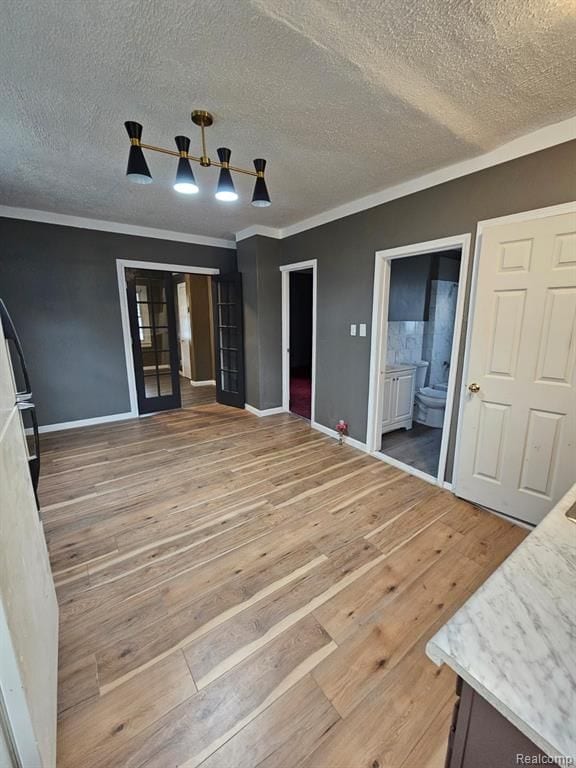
(195,328)
(153,331)
(418,304)
(301,342)
(164,356)
(299,338)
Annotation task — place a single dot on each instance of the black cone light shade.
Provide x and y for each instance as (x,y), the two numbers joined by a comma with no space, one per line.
(225,190)
(260,198)
(137,170)
(185,181)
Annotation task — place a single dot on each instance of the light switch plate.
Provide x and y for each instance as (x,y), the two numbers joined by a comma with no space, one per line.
(352,329)
(362,329)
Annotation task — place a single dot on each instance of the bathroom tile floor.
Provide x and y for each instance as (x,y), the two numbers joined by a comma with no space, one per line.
(419,447)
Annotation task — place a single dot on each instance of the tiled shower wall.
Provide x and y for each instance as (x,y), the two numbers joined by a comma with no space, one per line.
(412,340)
(405,339)
(439,331)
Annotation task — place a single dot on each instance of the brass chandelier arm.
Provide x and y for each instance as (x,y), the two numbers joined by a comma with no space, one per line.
(172,152)
(205,158)
(200,160)
(238,170)
(138,171)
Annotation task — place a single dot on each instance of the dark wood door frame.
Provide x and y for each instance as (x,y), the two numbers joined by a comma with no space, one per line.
(159,378)
(121,266)
(229,339)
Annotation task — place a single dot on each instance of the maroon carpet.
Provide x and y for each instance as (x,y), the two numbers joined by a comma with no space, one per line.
(300,395)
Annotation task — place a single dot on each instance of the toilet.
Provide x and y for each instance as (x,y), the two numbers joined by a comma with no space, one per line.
(429,402)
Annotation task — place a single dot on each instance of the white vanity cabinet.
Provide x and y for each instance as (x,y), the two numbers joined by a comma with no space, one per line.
(399,386)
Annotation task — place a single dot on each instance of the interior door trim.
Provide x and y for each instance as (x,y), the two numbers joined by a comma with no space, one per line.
(285,269)
(537,213)
(382,271)
(161,401)
(121,266)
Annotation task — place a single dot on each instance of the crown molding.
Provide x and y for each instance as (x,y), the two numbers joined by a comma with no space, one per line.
(257,229)
(543,138)
(65,220)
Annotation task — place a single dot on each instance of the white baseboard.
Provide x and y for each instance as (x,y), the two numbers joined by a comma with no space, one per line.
(266,412)
(207,383)
(448,486)
(85,422)
(332,433)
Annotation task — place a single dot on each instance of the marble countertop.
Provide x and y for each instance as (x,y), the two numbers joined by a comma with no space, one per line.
(514,640)
(400,367)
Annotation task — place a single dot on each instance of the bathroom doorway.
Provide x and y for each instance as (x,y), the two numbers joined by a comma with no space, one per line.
(418,303)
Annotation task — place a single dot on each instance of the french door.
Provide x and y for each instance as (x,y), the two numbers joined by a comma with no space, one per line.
(518,433)
(229,339)
(154,339)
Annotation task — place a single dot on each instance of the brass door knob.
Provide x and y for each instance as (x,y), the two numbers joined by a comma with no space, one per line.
(474,388)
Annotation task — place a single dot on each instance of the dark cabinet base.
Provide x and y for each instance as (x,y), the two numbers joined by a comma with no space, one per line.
(480,737)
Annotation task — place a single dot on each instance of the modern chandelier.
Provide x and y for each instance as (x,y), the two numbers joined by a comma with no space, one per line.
(138,171)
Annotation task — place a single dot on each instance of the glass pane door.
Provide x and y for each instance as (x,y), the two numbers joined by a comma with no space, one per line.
(229,332)
(154,339)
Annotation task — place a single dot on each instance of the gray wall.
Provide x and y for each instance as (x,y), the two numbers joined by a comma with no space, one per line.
(258,260)
(60,286)
(345,251)
(410,282)
(247,265)
(449,267)
(409,288)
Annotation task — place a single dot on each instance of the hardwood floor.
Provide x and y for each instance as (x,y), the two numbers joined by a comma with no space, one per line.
(239,592)
(192,396)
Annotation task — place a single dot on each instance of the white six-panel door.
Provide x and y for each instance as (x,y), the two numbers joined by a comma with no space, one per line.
(517,444)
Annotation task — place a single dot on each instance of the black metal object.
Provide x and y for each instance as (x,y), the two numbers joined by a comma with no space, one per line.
(23,400)
(139,172)
(260,197)
(154,339)
(225,182)
(137,169)
(11,336)
(184,174)
(26,406)
(229,339)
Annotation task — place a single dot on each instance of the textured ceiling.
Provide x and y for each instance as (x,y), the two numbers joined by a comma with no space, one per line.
(343,98)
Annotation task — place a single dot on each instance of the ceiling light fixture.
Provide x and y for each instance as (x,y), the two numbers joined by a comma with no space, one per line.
(137,170)
(185,182)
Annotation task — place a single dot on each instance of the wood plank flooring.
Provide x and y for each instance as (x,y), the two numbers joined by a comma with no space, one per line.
(192,396)
(239,592)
